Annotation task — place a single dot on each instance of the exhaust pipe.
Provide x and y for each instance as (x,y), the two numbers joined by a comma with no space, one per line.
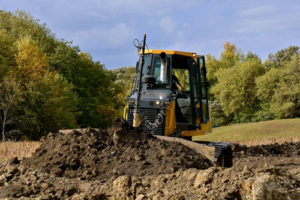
(163,67)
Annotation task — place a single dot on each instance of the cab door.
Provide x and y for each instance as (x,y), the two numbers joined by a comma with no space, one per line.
(194,90)
(203,108)
(198,92)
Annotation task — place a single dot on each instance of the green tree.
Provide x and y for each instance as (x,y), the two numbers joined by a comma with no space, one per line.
(50,105)
(228,58)
(279,89)
(281,57)
(236,88)
(124,77)
(21,23)
(7,60)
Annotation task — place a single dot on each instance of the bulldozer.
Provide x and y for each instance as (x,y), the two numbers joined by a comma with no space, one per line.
(169,99)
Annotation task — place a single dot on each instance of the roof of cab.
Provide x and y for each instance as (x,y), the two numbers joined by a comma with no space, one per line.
(170,52)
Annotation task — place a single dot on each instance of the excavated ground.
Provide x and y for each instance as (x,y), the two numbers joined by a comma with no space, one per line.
(121,164)
(93,154)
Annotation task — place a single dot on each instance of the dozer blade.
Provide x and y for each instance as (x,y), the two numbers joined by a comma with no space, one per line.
(218,153)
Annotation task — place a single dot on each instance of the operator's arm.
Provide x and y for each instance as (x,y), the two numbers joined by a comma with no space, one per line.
(177,84)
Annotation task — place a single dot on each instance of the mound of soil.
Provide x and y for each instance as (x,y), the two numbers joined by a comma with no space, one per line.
(96,154)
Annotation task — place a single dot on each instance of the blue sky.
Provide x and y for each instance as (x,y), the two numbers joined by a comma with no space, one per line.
(106,28)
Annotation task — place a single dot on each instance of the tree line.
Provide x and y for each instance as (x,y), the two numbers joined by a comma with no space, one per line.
(47,84)
(245,89)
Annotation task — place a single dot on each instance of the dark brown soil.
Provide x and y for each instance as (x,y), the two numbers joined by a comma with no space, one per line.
(285,149)
(121,164)
(96,154)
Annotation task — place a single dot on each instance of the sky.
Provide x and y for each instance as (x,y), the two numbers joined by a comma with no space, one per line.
(106,28)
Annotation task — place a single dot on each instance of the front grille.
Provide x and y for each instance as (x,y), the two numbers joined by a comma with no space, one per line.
(153,120)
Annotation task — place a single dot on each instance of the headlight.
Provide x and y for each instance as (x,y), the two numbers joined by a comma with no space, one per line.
(157,103)
(130,101)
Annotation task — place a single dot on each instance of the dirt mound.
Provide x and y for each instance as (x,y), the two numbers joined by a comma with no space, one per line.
(97,154)
(285,149)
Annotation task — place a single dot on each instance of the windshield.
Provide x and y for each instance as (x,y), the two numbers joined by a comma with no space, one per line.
(147,62)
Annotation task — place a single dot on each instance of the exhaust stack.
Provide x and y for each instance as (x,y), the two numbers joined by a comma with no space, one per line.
(163,67)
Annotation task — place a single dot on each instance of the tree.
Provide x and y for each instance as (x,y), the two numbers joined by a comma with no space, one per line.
(280,89)
(10,96)
(49,102)
(228,58)
(21,24)
(31,62)
(281,57)
(50,105)
(7,59)
(124,76)
(236,89)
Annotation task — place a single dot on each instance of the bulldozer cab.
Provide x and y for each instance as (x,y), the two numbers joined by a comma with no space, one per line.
(174,94)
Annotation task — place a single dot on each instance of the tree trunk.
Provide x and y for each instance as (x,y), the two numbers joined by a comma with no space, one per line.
(3,133)
(3,126)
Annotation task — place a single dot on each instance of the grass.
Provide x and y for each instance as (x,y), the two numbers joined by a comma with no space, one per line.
(9,150)
(284,130)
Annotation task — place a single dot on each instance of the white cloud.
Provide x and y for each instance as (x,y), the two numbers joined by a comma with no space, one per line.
(266,19)
(255,11)
(111,37)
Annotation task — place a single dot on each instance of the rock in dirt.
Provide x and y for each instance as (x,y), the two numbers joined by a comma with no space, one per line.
(205,177)
(266,186)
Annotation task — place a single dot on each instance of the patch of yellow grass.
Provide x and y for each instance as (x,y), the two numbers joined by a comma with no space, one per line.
(278,140)
(9,150)
(266,132)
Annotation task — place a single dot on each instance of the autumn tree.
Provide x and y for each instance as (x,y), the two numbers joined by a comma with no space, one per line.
(49,102)
(31,62)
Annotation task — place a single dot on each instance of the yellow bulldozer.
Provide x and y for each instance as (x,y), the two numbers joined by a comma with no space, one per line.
(169,99)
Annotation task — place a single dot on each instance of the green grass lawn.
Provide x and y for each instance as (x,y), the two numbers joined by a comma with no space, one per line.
(288,129)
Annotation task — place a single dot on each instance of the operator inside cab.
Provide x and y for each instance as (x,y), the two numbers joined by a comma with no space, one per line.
(180,92)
